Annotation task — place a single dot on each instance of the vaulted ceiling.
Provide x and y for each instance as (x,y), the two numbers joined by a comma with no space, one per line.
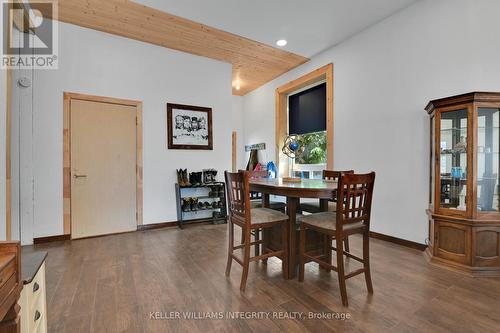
(239,32)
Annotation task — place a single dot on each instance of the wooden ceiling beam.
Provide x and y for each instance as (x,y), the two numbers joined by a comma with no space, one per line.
(254,63)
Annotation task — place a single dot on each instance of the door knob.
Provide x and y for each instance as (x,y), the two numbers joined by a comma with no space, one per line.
(79,176)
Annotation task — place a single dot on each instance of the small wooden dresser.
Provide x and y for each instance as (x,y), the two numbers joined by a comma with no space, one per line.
(10,286)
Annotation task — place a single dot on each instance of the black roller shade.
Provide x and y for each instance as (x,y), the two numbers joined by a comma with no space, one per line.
(307,110)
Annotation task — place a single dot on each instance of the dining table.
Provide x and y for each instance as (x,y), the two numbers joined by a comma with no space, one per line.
(293,191)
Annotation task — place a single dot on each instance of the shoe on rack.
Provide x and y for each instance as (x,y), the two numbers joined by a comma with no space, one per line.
(185,177)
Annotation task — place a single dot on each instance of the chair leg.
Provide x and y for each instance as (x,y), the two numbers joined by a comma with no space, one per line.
(284,242)
(328,251)
(366,262)
(346,244)
(302,250)
(246,259)
(340,270)
(230,247)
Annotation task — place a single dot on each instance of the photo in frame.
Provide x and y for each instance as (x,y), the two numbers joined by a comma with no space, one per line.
(189,127)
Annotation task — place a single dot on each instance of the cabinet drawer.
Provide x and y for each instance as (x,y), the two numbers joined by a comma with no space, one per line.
(36,317)
(7,272)
(37,287)
(453,242)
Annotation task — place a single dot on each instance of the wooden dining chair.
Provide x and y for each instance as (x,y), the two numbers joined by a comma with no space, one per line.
(263,174)
(315,207)
(248,219)
(354,201)
(276,205)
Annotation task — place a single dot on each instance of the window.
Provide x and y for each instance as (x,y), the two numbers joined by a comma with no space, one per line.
(303,121)
(307,120)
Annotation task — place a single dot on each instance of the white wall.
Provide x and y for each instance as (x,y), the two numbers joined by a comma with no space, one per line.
(96,63)
(383,78)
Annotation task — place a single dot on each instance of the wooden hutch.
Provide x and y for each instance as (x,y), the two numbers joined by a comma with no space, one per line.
(464,211)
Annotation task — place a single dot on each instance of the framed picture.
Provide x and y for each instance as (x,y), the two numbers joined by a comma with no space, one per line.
(189,127)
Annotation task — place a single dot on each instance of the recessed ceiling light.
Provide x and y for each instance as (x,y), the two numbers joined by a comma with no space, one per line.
(281,42)
(238,87)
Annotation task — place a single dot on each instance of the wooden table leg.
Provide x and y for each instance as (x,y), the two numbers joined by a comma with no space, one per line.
(265,200)
(291,206)
(265,204)
(323,205)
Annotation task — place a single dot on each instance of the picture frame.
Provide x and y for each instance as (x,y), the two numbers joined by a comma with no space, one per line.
(189,127)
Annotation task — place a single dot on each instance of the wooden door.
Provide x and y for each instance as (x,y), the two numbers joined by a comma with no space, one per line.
(103,168)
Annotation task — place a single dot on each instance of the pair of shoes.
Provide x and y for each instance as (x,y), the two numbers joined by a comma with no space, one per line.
(182,178)
(209,176)
(190,204)
(195,178)
(216,191)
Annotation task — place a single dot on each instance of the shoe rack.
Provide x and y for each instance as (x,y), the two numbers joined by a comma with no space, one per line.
(201,203)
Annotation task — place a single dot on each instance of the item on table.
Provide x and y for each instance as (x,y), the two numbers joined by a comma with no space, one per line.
(271,170)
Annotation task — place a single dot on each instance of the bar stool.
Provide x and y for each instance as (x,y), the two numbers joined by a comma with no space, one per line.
(354,201)
(276,205)
(248,219)
(314,207)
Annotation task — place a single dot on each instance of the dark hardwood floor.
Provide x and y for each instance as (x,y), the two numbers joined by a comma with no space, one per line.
(113,283)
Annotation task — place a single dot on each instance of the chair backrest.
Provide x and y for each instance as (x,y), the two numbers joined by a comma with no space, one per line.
(335,175)
(354,199)
(238,195)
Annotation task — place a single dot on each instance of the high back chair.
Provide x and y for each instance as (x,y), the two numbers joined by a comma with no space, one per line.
(263,174)
(315,207)
(354,202)
(257,203)
(329,175)
(250,219)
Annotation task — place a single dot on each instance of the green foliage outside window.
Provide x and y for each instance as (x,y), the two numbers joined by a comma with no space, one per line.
(314,148)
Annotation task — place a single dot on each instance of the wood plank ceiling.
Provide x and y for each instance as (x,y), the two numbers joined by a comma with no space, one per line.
(254,63)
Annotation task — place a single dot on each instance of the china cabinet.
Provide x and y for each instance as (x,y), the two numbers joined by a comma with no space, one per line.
(464,210)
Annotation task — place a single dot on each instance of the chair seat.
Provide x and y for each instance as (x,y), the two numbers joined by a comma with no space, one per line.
(326,221)
(313,206)
(266,215)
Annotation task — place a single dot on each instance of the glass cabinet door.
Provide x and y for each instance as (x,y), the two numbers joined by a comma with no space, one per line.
(487,159)
(453,159)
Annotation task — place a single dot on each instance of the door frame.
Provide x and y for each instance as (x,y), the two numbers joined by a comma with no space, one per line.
(68,97)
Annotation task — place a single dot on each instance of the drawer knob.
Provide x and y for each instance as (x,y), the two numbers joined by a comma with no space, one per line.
(37,315)
(36,286)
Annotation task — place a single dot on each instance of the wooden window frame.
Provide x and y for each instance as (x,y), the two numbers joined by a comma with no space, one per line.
(68,96)
(321,74)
